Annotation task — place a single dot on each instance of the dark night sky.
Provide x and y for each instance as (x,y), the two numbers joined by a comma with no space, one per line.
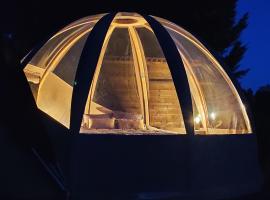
(257,39)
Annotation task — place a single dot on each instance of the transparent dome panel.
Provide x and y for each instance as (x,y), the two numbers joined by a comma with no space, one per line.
(36,68)
(55,90)
(67,66)
(115,100)
(222,111)
(47,52)
(116,87)
(52,70)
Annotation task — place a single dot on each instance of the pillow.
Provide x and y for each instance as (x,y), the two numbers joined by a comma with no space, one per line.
(85,121)
(130,124)
(103,121)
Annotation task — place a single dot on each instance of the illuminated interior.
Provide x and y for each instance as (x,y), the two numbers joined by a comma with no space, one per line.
(132,90)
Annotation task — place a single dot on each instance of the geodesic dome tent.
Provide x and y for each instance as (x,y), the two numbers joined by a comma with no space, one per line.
(129,74)
(135,85)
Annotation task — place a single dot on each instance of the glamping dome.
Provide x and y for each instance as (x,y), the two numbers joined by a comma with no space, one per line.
(130,80)
(126,74)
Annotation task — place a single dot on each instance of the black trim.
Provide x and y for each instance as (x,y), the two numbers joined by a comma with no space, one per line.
(86,69)
(177,70)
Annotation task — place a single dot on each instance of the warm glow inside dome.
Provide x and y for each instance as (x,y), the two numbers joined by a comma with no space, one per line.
(132,89)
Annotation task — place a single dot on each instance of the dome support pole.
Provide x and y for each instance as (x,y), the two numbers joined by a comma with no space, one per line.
(86,69)
(141,67)
(177,70)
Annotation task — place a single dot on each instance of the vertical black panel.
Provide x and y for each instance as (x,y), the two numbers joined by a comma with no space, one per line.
(86,69)
(177,69)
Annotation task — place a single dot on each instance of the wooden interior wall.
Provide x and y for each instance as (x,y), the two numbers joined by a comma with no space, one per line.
(117,90)
(117,87)
(164,108)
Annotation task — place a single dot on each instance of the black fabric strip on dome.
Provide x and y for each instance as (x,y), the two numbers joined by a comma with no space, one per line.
(86,69)
(177,70)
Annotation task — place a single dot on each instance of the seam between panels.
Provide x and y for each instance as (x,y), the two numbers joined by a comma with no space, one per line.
(178,72)
(142,76)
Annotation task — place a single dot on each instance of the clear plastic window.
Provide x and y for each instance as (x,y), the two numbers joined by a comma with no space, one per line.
(116,103)
(222,108)
(164,108)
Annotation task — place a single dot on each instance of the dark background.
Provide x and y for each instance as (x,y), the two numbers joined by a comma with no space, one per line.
(25,23)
